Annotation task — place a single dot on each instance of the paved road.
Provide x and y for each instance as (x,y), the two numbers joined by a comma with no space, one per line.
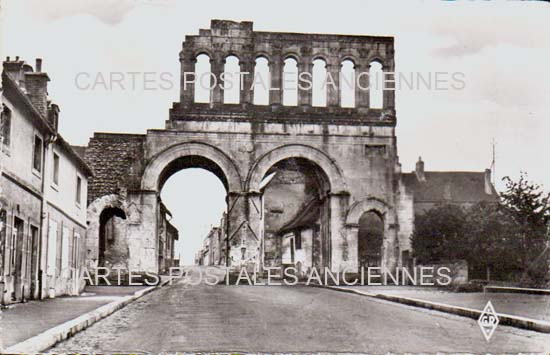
(182,317)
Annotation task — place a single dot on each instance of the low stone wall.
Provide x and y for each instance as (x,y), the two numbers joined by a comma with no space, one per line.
(458,274)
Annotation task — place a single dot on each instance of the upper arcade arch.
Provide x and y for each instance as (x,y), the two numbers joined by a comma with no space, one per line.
(167,162)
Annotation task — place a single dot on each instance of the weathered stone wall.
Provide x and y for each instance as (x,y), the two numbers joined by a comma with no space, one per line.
(115,160)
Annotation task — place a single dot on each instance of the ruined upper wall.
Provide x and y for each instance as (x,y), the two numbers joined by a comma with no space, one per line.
(228,38)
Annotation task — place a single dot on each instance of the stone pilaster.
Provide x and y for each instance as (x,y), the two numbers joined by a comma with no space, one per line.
(304,96)
(276,72)
(333,87)
(216,94)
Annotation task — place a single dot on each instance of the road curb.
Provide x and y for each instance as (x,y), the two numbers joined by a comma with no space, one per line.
(52,336)
(529,291)
(504,319)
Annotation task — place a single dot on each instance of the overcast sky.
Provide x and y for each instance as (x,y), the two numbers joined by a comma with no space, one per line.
(502,47)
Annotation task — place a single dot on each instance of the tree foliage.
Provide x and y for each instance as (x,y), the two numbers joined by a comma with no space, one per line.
(507,240)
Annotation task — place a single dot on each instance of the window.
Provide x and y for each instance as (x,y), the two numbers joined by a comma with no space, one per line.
(261,81)
(298,240)
(290,82)
(347,84)
(376,85)
(231,81)
(37,154)
(5,125)
(65,248)
(52,247)
(76,249)
(203,78)
(55,176)
(3,230)
(17,244)
(319,83)
(78,190)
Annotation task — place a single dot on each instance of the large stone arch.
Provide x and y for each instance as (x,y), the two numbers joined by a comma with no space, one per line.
(150,180)
(325,163)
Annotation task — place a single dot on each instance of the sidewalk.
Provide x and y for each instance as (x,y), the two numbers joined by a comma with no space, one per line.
(25,320)
(517,304)
(37,325)
(518,309)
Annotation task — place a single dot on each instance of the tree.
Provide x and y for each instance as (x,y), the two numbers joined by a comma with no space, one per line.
(500,240)
(529,206)
(491,238)
(439,234)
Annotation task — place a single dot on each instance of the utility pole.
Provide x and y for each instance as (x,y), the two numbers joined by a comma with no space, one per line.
(493,162)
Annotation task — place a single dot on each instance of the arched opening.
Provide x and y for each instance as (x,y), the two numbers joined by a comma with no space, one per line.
(261,83)
(376,85)
(295,220)
(191,216)
(290,82)
(231,80)
(369,239)
(347,84)
(203,78)
(319,85)
(113,243)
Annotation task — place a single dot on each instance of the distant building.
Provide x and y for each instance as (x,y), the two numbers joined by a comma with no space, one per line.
(431,188)
(212,251)
(43,192)
(168,234)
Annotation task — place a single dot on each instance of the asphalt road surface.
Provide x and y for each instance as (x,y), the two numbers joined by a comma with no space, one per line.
(183,317)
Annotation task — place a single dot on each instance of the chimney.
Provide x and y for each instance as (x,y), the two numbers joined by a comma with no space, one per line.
(38,66)
(14,68)
(420,170)
(488,184)
(36,84)
(53,115)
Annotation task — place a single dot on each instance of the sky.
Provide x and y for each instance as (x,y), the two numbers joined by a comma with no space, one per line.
(501,47)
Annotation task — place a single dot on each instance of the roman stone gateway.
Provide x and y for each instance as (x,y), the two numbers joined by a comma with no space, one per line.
(348,153)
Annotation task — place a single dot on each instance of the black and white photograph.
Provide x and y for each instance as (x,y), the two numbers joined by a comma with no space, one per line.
(277,177)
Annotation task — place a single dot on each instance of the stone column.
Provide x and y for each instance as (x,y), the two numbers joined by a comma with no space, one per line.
(333,91)
(389,87)
(247,66)
(341,242)
(276,72)
(304,96)
(352,232)
(362,86)
(389,244)
(187,92)
(216,94)
(143,231)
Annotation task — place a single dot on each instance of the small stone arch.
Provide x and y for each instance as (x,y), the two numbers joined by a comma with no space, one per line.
(266,161)
(156,166)
(349,57)
(369,204)
(377,59)
(200,51)
(93,216)
(321,56)
(262,54)
(292,55)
